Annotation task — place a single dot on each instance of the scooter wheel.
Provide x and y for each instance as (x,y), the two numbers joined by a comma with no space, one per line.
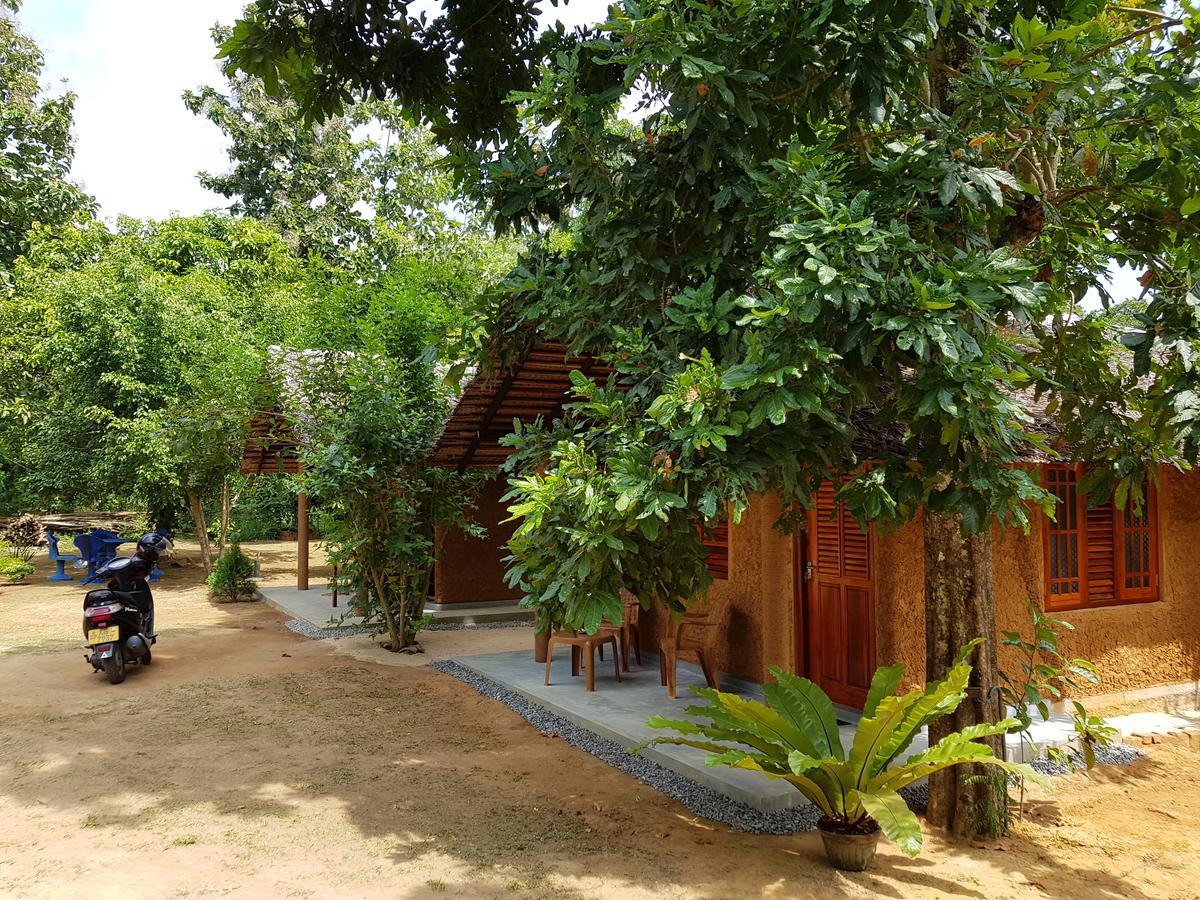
(146,657)
(114,667)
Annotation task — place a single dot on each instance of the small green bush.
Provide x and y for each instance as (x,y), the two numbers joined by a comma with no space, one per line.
(230,581)
(14,569)
(23,536)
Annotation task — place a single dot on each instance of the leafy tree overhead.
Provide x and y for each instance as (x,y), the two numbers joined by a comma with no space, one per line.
(130,358)
(454,69)
(35,147)
(364,183)
(842,234)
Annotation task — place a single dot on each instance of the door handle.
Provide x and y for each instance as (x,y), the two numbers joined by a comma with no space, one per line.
(808,571)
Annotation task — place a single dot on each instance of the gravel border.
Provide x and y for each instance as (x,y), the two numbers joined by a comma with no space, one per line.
(321,633)
(1113,755)
(700,799)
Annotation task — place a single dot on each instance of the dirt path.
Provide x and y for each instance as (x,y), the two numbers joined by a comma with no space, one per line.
(249,762)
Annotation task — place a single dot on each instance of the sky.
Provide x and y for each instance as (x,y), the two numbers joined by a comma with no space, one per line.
(138,149)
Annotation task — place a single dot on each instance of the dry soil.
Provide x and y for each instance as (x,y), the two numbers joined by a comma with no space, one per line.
(250,762)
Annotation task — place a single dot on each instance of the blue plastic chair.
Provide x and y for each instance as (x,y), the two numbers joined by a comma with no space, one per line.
(60,560)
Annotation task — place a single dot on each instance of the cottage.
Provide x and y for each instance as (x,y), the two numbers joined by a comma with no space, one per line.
(834,602)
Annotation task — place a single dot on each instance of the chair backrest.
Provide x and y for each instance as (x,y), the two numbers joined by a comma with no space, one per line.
(83,543)
(52,544)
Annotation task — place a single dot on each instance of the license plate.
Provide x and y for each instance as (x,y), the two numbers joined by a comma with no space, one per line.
(103,635)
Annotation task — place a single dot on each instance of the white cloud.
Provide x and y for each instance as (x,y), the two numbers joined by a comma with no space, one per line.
(137,148)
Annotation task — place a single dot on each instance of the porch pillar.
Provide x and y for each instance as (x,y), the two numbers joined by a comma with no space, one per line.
(302,541)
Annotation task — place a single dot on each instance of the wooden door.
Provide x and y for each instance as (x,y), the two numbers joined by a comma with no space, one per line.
(839,602)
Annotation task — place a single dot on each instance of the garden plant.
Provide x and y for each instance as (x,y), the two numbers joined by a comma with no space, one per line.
(795,737)
(232,579)
(1048,677)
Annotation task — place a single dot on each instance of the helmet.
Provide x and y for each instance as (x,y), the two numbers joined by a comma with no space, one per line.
(153,545)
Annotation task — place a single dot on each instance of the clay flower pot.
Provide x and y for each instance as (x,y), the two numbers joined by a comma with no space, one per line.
(849,847)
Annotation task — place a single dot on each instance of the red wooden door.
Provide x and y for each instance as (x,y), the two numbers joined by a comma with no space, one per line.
(839,591)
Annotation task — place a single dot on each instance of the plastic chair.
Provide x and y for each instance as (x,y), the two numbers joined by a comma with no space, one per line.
(578,643)
(696,631)
(59,559)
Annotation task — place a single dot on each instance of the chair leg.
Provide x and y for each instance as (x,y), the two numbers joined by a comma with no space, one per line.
(576,657)
(710,671)
(625,647)
(591,667)
(616,662)
(549,656)
(637,642)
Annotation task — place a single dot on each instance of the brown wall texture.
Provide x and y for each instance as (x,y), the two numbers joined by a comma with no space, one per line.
(1135,646)
(468,569)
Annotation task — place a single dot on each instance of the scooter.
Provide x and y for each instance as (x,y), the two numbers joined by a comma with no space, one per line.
(118,620)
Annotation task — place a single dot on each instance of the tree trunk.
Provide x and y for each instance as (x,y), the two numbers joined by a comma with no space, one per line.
(197,505)
(395,633)
(960,605)
(227,504)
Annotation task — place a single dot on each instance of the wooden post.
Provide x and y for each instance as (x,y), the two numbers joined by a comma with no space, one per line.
(302,541)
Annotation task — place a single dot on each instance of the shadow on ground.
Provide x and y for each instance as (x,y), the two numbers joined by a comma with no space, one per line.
(246,760)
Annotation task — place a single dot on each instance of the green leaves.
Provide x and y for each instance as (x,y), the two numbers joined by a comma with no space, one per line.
(895,819)
(796,739)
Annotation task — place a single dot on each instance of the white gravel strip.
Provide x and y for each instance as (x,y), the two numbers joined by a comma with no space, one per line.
(1114,755)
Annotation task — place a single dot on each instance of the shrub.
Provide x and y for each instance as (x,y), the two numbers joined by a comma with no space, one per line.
(1048,676)
(796,739)
(231,581)
(14,569)
(24,536)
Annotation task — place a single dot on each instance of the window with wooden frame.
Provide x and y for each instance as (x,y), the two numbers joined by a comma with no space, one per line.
(1098,556)
(716,544)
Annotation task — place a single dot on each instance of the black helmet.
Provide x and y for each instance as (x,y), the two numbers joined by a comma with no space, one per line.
(153,545)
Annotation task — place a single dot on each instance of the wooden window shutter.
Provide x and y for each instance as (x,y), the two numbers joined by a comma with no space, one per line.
(717,545)
(842,547)
(1066,574)
(1101,555)
(1136,550)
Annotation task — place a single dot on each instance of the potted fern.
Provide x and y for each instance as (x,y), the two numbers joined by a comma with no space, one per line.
(796,738)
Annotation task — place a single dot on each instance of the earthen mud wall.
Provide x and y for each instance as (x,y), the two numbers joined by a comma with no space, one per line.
(1135,645)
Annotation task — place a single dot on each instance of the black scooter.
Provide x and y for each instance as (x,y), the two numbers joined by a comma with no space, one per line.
(118,620)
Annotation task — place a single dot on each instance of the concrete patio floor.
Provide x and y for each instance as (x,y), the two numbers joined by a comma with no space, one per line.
(619,712)
(315,606)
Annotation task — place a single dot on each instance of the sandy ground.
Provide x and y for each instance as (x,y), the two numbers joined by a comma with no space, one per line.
(249,762)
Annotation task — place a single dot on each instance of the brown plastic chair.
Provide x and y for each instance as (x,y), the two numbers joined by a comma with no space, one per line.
(580,642)
(696,631)
(628,631)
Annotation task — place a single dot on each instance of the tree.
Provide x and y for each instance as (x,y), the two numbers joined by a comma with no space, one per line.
(35,148)
(455,69)
(848,241)
(365,187)
(130,359)
(370,423)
